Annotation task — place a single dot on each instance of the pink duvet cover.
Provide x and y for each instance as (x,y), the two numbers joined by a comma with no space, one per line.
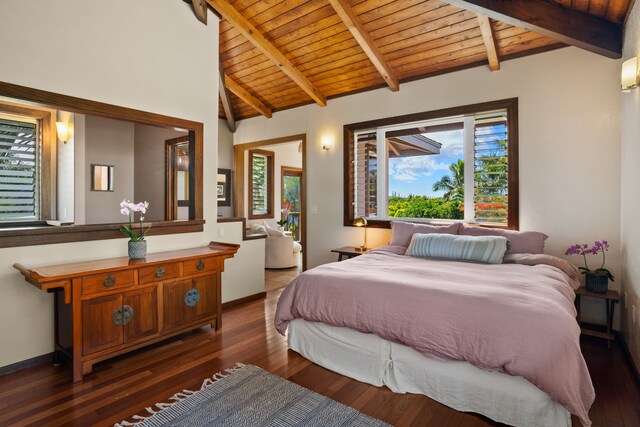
(510,318)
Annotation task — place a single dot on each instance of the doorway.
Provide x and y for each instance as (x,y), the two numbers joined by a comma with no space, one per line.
(289,189)
(291,192)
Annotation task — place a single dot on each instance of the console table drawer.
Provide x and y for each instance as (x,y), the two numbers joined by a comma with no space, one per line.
(106,281)
(158,273)
(195,266)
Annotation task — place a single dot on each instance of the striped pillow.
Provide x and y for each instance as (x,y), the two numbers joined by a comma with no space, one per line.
(488,249)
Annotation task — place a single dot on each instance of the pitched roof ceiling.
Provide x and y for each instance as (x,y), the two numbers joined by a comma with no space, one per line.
(279,54)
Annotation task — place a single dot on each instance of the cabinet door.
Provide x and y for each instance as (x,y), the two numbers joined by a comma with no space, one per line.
(176,311)
(206,305)
(144,319)
(99,330)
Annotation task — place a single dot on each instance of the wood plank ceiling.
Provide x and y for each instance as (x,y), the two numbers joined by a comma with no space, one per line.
(340,47)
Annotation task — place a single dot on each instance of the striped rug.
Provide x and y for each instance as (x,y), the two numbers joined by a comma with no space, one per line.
(248,396)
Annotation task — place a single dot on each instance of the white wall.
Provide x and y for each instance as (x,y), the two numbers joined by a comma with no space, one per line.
(569,120)
(239,279)
(108,142)
(285,154)
(630,227)
(125,46)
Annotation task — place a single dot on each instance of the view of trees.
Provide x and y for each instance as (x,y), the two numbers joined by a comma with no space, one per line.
(490,198)
(425,207)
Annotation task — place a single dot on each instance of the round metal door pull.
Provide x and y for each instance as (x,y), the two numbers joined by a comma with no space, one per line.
(192,297)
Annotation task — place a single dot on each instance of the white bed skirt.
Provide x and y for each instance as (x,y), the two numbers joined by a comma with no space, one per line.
(459,385)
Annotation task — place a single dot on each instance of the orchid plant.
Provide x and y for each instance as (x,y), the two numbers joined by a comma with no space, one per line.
(601,246)
(129,209)
(285,218)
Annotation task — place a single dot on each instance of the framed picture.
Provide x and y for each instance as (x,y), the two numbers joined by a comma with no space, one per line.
(102,177)
(224,187)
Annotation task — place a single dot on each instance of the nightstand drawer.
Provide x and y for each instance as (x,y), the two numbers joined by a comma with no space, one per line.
(195,266)
(158,273)
(106,281)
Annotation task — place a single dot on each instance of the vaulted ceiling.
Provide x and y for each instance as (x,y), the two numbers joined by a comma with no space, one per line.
(278,54)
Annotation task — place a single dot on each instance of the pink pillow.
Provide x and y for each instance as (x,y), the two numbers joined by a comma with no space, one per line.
(401,232)
(520,242)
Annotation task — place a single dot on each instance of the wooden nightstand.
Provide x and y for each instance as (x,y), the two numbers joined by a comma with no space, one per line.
(348,252)
(610,299)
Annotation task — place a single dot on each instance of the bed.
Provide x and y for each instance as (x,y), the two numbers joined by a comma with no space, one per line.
(500,340)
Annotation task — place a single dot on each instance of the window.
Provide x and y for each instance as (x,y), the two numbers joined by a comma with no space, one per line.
(458,164)
(260,184)
(19,170)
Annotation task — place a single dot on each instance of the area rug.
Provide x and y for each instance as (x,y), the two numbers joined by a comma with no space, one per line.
(248,396)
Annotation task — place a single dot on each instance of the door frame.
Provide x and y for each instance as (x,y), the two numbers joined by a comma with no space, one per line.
(294,172)
(170,202)
(239,152)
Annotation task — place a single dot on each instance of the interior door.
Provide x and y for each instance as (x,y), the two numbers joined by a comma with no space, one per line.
(292,194)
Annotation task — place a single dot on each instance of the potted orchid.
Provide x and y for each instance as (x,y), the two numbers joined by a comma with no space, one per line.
(285,218)
(137,244)
(594,280)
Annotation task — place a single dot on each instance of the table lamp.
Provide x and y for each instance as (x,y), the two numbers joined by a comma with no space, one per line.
(362,222)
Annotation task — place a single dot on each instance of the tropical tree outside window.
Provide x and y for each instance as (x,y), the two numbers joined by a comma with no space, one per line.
(260,184)
(449,168)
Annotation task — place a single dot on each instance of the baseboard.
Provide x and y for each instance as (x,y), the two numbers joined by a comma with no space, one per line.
(24,364)
(259,295)
(634,366)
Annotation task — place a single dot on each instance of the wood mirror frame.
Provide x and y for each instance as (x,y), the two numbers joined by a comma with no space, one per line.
(38,233)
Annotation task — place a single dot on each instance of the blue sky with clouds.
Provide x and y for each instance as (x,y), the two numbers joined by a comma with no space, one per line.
(416,175)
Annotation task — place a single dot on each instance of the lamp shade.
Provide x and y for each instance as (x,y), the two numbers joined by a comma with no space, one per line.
(64,131)
(360,222)
(629,78)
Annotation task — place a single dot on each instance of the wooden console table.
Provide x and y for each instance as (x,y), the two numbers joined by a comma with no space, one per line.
(108,307)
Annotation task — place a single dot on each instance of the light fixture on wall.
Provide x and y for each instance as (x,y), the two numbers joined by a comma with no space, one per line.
(65,132)
(326,142)
(630,78)
(362,222)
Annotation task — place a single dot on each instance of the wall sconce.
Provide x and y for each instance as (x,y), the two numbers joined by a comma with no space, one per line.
(183,163)
(362,222)
(64,131)
(326,142)
(629,78)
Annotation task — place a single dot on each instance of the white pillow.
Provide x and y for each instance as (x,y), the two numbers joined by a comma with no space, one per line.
(257,228)
(273,232)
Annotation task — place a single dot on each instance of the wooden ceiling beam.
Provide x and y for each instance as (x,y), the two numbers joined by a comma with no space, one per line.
(236,19)
(247,97)
(553,20)
(350,19)
(200,9)
(226,100)
(489,42)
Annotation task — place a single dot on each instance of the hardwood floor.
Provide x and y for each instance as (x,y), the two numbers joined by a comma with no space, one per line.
(119,388)
(278,279)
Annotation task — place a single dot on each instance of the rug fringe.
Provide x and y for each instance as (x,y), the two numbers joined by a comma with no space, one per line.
(179,396)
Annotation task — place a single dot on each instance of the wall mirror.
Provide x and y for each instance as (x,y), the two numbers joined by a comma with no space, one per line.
(59,156)
(102,177)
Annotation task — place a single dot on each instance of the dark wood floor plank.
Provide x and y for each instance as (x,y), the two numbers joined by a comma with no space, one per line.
(124,386)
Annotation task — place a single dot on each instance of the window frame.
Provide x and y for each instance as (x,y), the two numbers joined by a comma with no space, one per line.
(45,143)
(511,107)
(270,186)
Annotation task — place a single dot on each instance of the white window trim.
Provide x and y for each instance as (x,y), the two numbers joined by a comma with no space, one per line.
(383,165)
